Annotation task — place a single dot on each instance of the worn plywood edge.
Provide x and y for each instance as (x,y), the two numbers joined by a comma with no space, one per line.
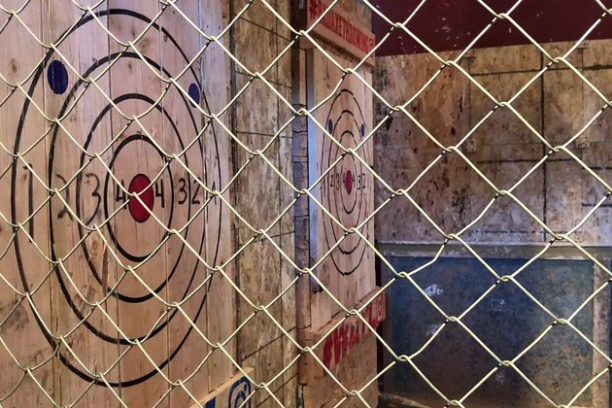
(235,390)
(344,339)
(336,29)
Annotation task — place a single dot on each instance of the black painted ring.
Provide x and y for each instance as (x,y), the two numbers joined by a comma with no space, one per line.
(334,229)
(329,231)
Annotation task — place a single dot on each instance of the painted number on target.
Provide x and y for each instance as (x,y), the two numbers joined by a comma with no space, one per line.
(346,181)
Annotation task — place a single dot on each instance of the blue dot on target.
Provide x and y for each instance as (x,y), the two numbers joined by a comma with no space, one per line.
(57,77)
(194,93)
(330,126)
(362,131)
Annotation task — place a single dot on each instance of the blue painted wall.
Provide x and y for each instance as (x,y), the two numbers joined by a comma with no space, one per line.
(507,321)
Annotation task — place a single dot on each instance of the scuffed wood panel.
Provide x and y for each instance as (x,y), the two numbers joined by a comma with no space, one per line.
(404,150)
(558,105)
(517,58)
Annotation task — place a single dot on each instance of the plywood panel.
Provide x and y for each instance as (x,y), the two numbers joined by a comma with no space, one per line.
(257,122)
(344,25)
(504,128)
(559,49)
(268,362)
(558,106)
(517,58)
(404,151)
(597,228)
(346,192)
(340,338)
(592,105)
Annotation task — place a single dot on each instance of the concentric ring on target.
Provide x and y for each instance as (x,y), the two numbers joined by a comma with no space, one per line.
(347,177)
(340,184)
(109,181)
(131,139)
(345,122)
(60,87)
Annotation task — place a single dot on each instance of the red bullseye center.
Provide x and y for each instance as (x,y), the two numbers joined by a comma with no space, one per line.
(141,185)
(348,182)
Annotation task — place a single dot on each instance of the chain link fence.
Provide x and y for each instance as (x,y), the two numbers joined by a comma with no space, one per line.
(142,261)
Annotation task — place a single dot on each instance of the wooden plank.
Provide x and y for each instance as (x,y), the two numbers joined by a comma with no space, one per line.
(181,136)
(338,29)
(232,393)
(220,240)
(346,191)
(135,86)
(24,266)
(79,106)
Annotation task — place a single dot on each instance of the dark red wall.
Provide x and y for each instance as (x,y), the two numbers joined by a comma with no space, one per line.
(453,24)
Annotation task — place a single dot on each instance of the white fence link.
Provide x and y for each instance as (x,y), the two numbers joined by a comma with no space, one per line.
(116,147)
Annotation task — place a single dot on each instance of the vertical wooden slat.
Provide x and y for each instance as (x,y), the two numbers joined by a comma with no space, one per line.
(219,242)
(82,45)
(136,163)
(181,137)
(24,266)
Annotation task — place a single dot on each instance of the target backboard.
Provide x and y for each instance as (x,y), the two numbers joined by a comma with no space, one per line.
(340,160)
(340,153)
(112,189)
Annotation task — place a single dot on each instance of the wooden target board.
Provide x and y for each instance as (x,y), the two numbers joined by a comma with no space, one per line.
(126,221)
(345,189)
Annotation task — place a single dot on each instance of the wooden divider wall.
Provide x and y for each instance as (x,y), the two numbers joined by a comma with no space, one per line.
(340,105)
(560,192)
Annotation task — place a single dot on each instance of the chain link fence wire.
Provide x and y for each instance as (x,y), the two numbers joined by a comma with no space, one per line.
(35,260)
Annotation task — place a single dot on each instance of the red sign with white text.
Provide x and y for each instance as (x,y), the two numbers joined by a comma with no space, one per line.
(337,27)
